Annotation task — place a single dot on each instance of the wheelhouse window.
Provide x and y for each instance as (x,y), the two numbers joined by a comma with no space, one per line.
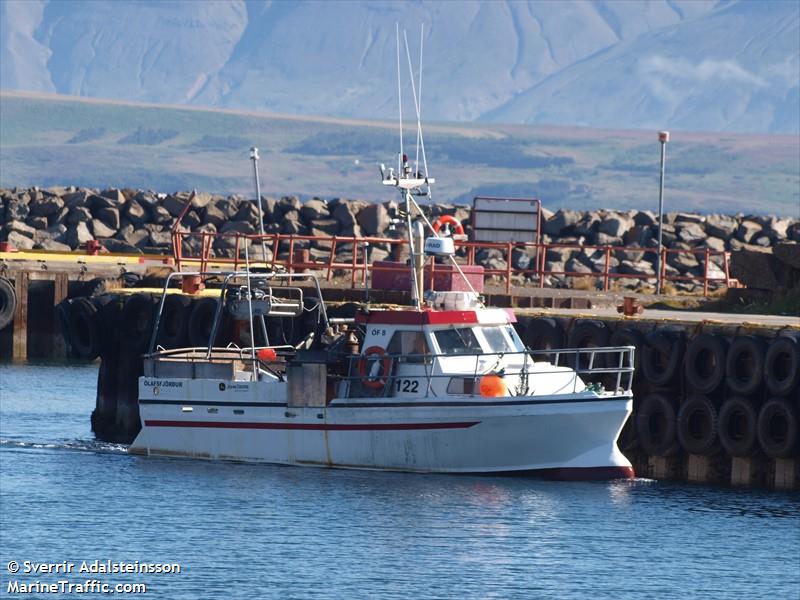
(410,346)
(498,339)
(458,340)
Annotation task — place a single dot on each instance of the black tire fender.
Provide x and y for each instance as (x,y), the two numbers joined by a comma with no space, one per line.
(136,322)
(84,329)
(704,363)
(201,320)
(744,368)
(656,425)
(589,334)
(738,426)
(662,355)
(8,302)
(173,326)
(543,333)
(698,423)
(628,336)
(777,428)
(782,365)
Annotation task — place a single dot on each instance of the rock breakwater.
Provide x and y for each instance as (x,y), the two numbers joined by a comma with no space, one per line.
(580,242)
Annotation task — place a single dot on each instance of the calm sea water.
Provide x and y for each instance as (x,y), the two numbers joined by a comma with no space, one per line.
(253,531)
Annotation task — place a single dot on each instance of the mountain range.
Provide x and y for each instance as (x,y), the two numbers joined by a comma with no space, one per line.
(703,65)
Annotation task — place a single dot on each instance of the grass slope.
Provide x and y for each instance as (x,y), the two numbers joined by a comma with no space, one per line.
(56,140)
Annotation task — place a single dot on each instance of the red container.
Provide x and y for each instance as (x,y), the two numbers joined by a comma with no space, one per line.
(387,275)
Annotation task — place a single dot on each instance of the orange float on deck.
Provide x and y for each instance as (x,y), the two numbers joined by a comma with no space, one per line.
(267,355)
(493,386)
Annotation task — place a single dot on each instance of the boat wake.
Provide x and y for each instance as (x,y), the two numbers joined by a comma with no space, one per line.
(95,446)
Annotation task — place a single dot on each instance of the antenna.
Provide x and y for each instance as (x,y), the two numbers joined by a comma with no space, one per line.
(399,99)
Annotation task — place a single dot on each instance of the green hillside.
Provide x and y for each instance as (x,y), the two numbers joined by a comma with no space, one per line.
(52,140)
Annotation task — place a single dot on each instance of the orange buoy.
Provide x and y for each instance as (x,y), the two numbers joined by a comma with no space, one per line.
(493,386)
(267,355)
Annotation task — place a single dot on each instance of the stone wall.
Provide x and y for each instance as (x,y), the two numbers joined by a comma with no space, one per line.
(140,221)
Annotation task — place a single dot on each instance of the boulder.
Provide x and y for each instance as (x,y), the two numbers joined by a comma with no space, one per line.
(374,219)
(36,222)
(248,212)
(160,239)
(201,200)
(109,216)
(293,226)
(175,203)
(21,228)
(58,218)
(522,260)
(345,212)
(689,218)
(554,266)
(644,218)
(629,254)
(576,266)
(604,239)
(133,237)
(214,214)
(238,227)
(146,199)
(78,235)
(682,261)
(17,211)
(639,267)
(135,213)
(191,220)
(747,231)
(51,244)
(777,228)
(484,255)
(290,203)
(78,198)
(314,209)
(615,225)
(20,241)
(721,226)
(271,209)
(116,196)
(638,235)
(161,216)
(588,224)
(326,227)
(561,223)
(115,245)
(762,239)
(46,206)
(101,230)
(714,243)
(691,233)
(95,202)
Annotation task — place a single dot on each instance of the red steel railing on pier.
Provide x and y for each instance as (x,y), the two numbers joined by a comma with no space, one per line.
(292,252)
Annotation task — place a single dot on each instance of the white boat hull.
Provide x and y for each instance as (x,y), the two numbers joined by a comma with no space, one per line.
(555,435)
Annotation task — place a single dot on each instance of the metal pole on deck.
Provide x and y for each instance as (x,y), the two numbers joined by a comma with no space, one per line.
(663,137)
(254,157)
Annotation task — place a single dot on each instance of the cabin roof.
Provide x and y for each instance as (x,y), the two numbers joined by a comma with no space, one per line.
(487,316)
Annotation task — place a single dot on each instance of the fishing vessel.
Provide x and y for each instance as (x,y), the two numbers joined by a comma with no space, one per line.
(444,385)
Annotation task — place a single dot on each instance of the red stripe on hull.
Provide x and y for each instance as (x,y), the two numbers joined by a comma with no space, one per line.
(310,426)
(585,473)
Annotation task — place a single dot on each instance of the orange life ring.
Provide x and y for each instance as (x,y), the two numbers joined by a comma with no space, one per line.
(379,381)
(448,220)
